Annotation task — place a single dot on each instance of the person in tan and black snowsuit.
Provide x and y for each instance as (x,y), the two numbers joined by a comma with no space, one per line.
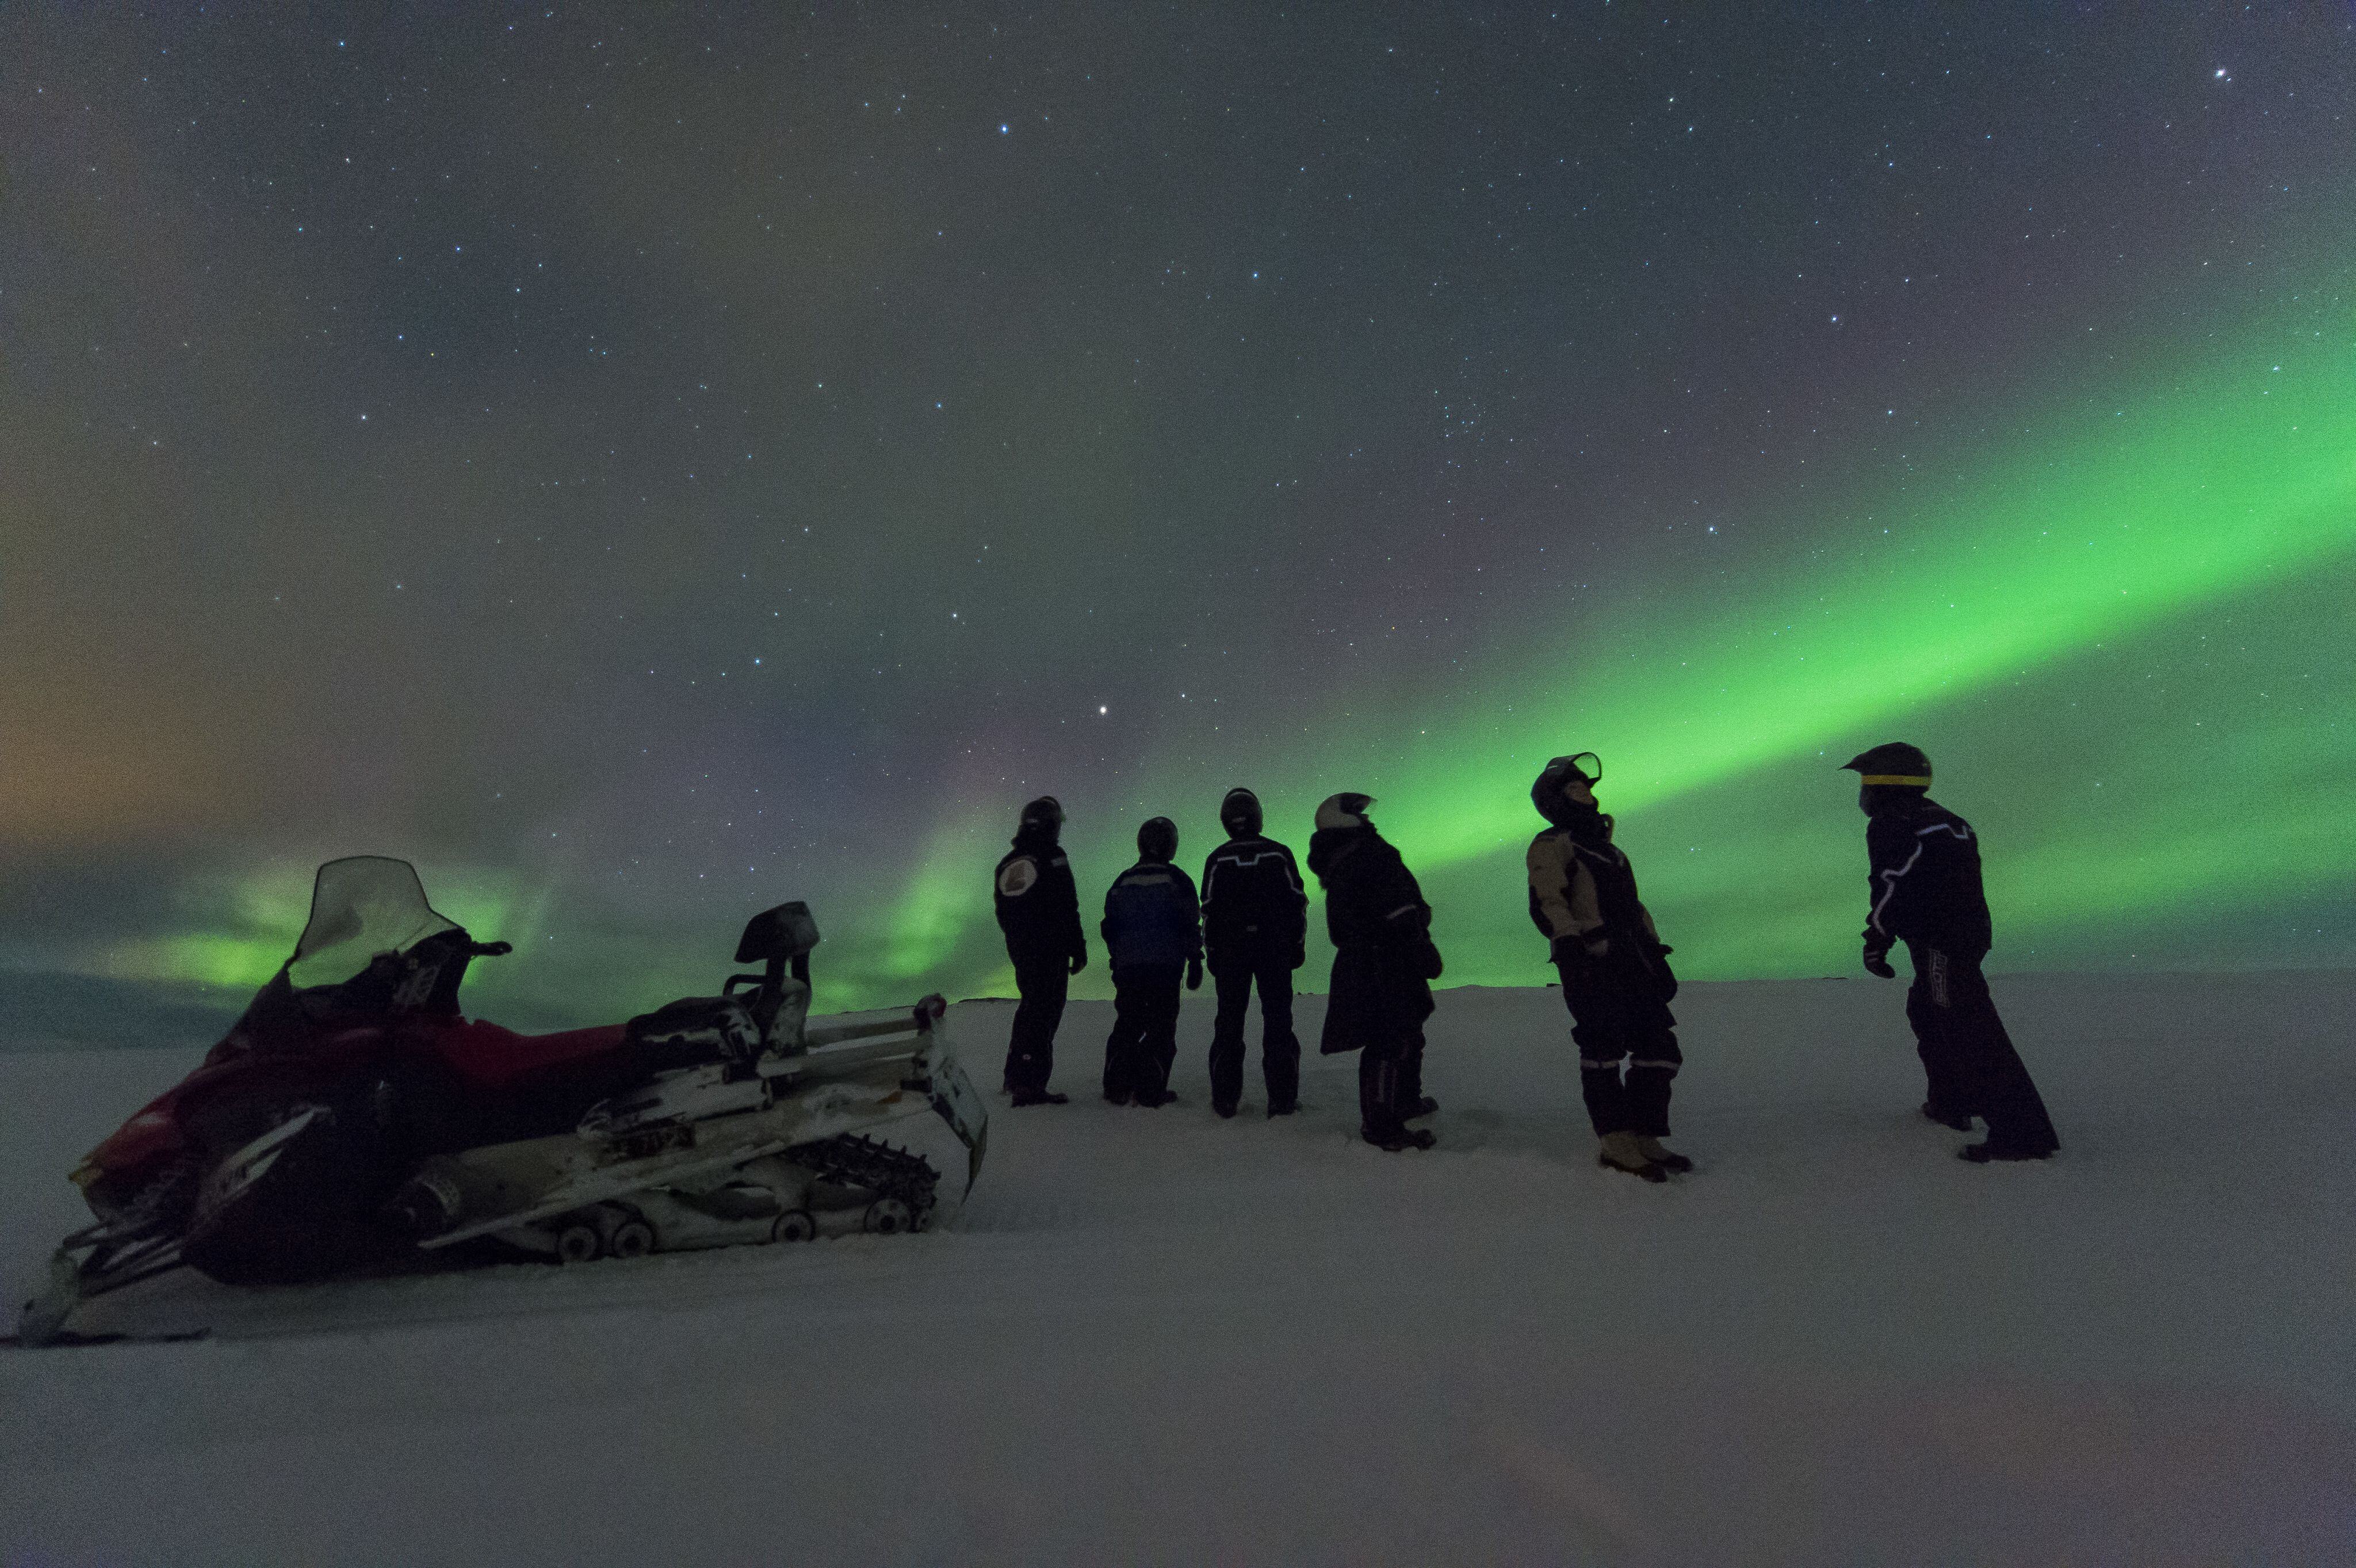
(1615,973)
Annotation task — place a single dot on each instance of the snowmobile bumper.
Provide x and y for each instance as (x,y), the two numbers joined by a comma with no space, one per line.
(952,1094)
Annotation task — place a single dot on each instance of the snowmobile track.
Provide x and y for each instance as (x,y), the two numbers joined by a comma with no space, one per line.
(856,1160)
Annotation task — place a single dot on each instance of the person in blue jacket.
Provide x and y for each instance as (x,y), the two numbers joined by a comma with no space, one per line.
(1154,933)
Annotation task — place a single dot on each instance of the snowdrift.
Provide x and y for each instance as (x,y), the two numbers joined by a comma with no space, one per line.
(1155,1336)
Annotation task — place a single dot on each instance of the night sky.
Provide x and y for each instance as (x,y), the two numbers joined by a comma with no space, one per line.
(644,466)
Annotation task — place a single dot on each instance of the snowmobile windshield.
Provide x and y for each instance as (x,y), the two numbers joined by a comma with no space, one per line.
(361,907)
(360,960)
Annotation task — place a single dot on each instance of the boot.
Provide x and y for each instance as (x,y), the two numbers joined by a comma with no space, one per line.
(1981,1154)
(1667,1159)
(1620,1153)
(1405,1138)
(1425,1105)
(1040,1097)
(1946,1117)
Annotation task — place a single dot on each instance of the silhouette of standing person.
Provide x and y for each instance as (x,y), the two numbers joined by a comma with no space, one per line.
(1384,963)
(1615,972)
(1255,921)
(1926,893)
(1152,932)
(1039,910)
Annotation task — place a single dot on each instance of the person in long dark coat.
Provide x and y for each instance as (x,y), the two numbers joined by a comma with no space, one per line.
(1384,963)
(1039,910)
(1615,974)
(1926,893)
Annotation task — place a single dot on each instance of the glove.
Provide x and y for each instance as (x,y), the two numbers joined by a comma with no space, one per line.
(1598,946)
(1666,976)
(1079,961)
(1877,956)
(1300,954)
(1194,974)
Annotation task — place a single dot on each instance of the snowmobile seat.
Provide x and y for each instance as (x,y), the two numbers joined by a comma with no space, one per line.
(738,1026)
(488,1056)
(779,940)
(695,1029)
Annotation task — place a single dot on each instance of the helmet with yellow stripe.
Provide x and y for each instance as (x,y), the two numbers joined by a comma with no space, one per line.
(1893,763)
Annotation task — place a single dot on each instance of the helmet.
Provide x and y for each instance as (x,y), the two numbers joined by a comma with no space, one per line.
(1892,762)
(1347,809)
(1239,813)
(1158,839)
(1584,766)
(1044,814)
(1546,792)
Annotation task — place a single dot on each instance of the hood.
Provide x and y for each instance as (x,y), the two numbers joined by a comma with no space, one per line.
(1328,845)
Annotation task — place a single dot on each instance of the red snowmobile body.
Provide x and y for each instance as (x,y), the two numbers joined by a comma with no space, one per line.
(367,1074)
(363,1122)
(532,1077)
(332,1092)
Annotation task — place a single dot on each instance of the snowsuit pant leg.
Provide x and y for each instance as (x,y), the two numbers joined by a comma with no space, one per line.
(1955,1023)
(1042,985)
(1280,1049)
(1947,1086)
(1145,1039)
(1653,1066)
(1380,1075)
(1616,1019)
(1233,983)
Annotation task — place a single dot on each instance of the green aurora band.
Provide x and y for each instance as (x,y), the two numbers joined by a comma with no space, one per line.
(1977,619)
(2125,638)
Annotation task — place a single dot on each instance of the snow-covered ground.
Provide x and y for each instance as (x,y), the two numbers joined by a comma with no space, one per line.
(1156,1337)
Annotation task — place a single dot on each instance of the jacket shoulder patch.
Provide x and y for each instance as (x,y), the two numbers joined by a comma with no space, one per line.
(1017,878)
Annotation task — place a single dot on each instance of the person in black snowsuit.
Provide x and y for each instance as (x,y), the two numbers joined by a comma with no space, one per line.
(1615,973)
(1926,893)
(1152,932)
(1384,963)
(1255,923)
(1039,910)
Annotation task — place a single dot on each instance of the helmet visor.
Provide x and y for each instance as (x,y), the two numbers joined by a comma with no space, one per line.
(1586,764)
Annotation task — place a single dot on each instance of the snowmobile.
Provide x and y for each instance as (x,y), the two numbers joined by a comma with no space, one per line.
(353,1120)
